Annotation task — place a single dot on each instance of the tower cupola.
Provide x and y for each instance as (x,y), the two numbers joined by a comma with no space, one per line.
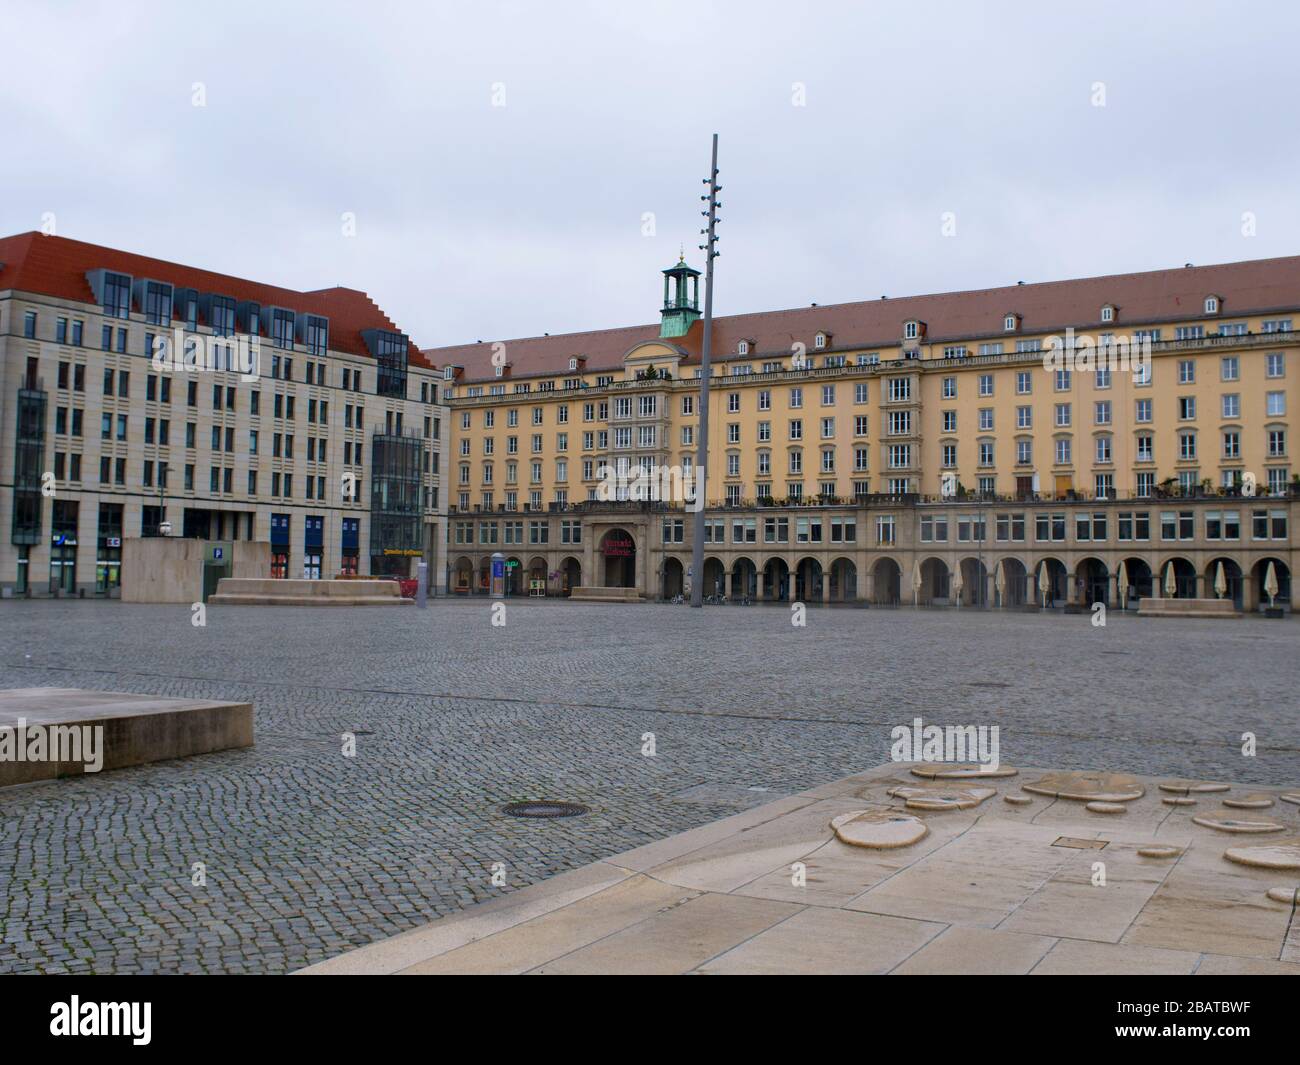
(681,299)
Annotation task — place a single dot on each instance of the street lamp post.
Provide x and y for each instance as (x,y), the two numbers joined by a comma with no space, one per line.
(702,456)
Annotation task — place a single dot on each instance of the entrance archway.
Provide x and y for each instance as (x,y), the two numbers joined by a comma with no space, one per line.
(537,571)
(975,583)
(1093,582)
(1054,589)
(744,579)
(514,576)
(1281,576)
(619,552)
(674,579)
(808,581)
(1184,578)
(1235,586)
(570,575)
(715,578)
(776,580)
(887,582)
(934,582)
(1015,583)
(843,576)
(1138,575)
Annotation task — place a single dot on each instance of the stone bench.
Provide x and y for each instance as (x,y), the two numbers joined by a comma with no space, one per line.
(1149,607)
(129,730)
(250,591)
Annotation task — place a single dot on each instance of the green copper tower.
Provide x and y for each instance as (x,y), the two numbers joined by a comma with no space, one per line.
(682,303)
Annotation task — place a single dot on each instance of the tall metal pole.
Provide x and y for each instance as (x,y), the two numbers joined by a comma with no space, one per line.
(706,371)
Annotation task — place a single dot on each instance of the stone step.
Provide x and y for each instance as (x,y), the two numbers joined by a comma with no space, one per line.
(596,594)
(242,599)
(1187,608)
(307,588)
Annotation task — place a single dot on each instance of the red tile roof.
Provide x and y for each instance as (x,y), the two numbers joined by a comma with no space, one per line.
(56,266)
(1253,287)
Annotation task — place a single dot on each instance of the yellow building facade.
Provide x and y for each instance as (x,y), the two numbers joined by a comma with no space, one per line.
(1155,394)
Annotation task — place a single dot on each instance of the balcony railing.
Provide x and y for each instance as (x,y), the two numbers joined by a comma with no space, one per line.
(887,500)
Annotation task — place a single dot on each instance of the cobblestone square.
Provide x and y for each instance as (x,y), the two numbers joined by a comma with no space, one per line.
(307,852)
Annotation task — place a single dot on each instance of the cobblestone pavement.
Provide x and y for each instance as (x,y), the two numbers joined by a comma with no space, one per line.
(309,853)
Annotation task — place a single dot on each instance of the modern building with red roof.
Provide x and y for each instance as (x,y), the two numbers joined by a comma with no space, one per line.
(143,397)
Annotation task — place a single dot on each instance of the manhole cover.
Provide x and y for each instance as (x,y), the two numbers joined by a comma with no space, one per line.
(544,809)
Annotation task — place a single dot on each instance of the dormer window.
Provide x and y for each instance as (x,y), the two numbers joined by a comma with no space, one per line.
(1108,313)
(911,330)
(742,348)
(573,362)
(502,369)
(449,373)
(819,341)
(1009,322)
(1211,304)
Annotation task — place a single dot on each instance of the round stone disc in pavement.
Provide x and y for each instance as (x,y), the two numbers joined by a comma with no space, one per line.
(941,798)
(1160,851)
(1177,800)
(879,829)
(1291,796)
(1018,800)
(1275,854)
(1098,807)
(1226,821)
(1285,894)
(1192,787)
(960,771)
(1250,802)
(1088,786)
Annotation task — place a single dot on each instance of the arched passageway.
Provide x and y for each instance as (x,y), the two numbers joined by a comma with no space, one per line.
(618,549)
(808,581)
(1223,580)
(674,579)
(570,575)
(776,580)
(1092,582)
(887,582)
(1281,580)
(744,579)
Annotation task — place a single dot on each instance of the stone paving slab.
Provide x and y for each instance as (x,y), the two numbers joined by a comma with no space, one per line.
(309,852)
(997,889)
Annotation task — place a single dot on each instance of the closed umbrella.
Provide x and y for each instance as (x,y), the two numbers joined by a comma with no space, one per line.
(916,580)
(1121,579)
(1171,582)
(1000,583)
(1044,582)
(957,584)
(1270,583)
(1220,582)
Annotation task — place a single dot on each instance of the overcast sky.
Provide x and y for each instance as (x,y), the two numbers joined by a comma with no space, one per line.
(476,221)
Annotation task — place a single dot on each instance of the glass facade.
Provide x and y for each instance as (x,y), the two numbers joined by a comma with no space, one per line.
(396,523)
